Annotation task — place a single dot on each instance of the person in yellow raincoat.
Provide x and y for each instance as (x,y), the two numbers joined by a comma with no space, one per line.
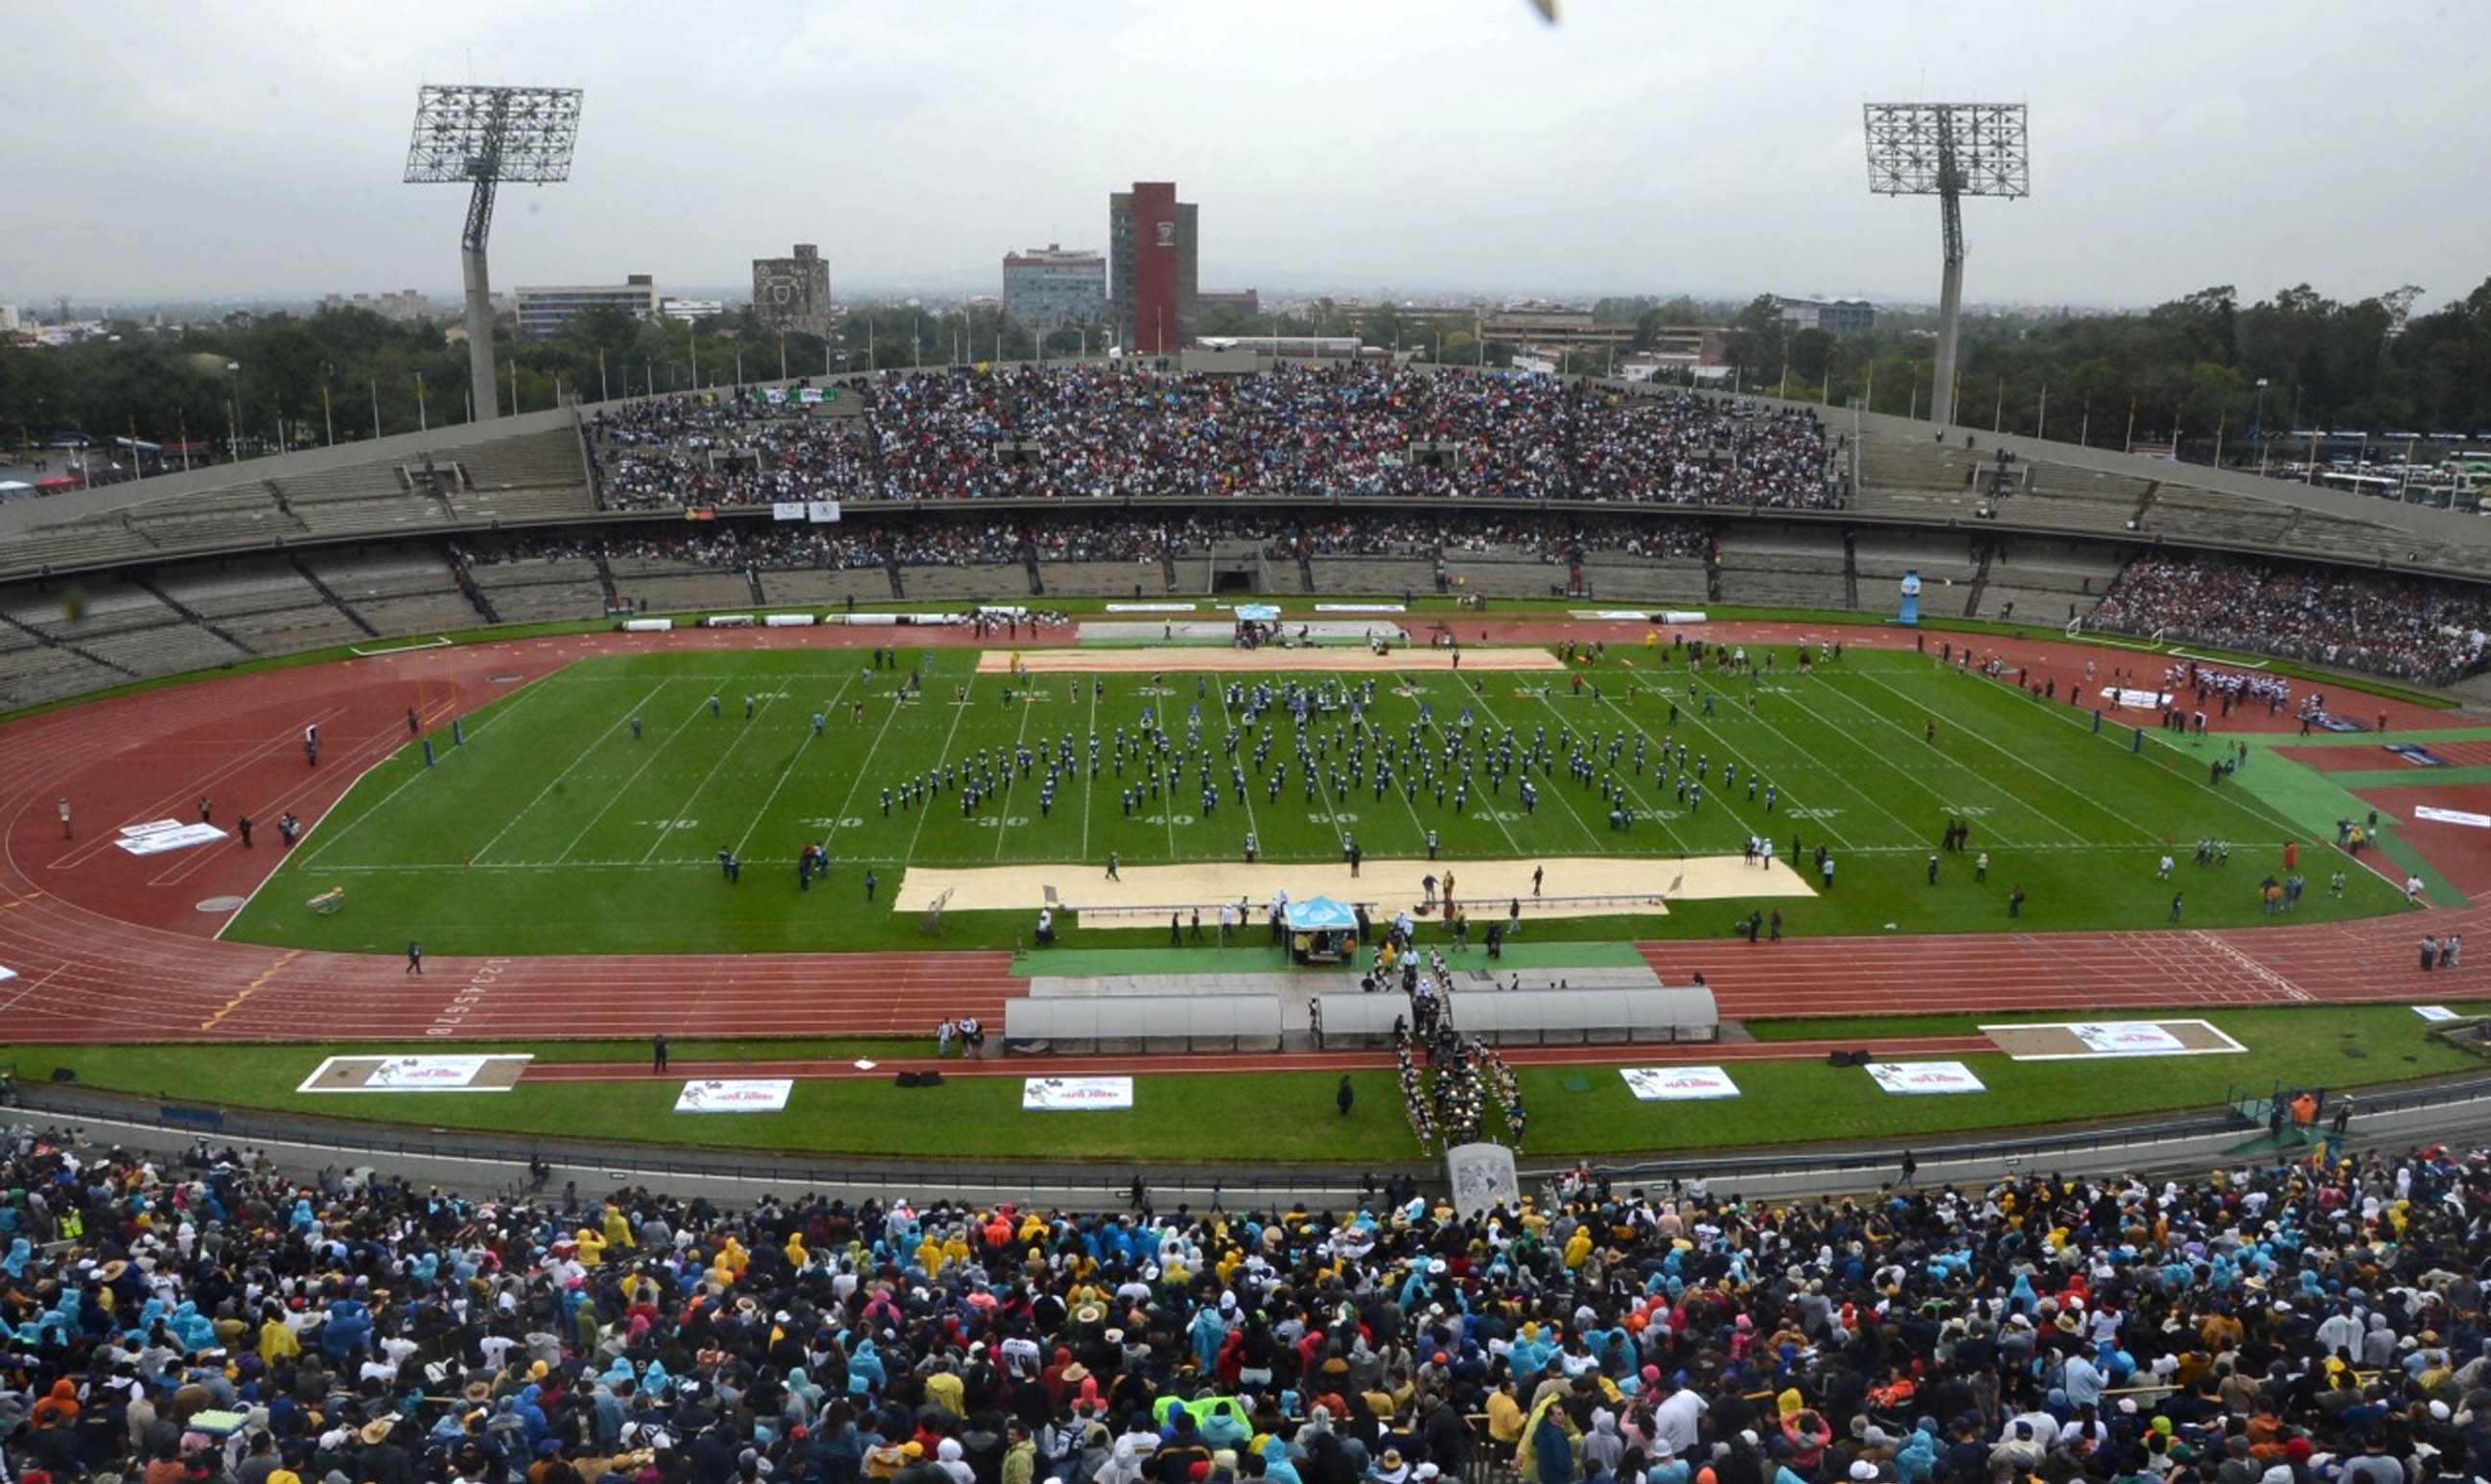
(1549,1441)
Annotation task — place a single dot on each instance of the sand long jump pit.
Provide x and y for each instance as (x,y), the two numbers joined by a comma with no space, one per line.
(1571,887)
(1197,658)
(2088,1040)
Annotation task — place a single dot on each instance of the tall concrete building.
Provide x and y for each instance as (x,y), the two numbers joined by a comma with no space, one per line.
(793,293)
(1048,288)
(1153,267)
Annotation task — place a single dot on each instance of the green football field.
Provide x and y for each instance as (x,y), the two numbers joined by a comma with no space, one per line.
(559,826)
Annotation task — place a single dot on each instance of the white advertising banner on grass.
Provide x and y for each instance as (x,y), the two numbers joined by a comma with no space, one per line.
(1923,1077)
(2451,816)
(1674,1084)
(1062,1094)
(751,1095)
(2436,1014)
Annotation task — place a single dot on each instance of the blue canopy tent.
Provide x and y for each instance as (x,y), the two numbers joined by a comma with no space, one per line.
(1321,931)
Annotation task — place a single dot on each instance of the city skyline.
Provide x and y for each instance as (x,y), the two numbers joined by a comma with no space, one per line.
(253,153)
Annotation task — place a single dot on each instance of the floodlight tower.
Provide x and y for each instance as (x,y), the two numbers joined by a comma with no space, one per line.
(1948,150)
(488,135)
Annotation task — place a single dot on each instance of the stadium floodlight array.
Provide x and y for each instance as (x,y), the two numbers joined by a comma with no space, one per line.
(487,135)
(1948,150)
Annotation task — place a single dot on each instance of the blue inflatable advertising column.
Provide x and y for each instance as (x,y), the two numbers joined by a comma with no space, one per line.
(1911,609)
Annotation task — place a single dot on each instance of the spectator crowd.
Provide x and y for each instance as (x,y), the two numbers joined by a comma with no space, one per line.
(1113,433)
(2409,628)
(213,1321)
(1107,536)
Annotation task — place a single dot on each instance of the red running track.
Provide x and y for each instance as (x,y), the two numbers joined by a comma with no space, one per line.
(110,947)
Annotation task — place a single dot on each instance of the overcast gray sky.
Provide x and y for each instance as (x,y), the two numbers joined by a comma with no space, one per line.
(255,147)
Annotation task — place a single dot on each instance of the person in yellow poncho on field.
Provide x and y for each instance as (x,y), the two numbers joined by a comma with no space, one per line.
(592,1247)
(618,1230)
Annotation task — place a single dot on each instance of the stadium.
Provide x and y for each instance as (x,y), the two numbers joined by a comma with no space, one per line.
(1056,706)
(1267,905)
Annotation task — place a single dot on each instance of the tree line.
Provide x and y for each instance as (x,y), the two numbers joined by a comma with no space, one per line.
(2185,368)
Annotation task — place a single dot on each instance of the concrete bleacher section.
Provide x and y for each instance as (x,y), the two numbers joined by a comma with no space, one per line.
(398,590)
(368,499)
(1614,576)
(236,587)
(122,624)
(1943,559)
(515,470)
(2047,581)
(1103,579)
(2058,497)
(165,649)
(1349,572)
(2216,517)
(1789,565)
(1914,477)
(993,582)
(216,520)
(534,589)
(826,587)
(33,671)
(68,541)
(514,482)
(263,601)
(664,586)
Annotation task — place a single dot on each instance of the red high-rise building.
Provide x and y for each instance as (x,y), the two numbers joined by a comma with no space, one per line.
(1153,269)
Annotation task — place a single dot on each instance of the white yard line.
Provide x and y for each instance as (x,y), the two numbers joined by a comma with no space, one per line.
(2060,783)
(829,709)
(1502,827)
(558,779)
(615,796)
(683,810)
(933,796)
(864,765)
(1089,794)
(1020,740)
(1936,795)
(313,857)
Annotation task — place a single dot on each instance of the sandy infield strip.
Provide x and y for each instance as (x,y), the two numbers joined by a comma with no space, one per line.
(1573,885)
(1197,658)
(2093,1041)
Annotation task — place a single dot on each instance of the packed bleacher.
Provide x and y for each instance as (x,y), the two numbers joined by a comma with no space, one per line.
(1109,432)
(2409,628)
(214,1321)
(1103,538)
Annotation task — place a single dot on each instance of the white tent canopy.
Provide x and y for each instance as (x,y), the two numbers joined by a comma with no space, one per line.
(1146,1023)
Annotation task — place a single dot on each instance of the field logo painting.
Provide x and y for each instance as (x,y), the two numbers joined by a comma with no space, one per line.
(1076,1094)
(1676,1084)
(1908,1078)
(746,1095)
